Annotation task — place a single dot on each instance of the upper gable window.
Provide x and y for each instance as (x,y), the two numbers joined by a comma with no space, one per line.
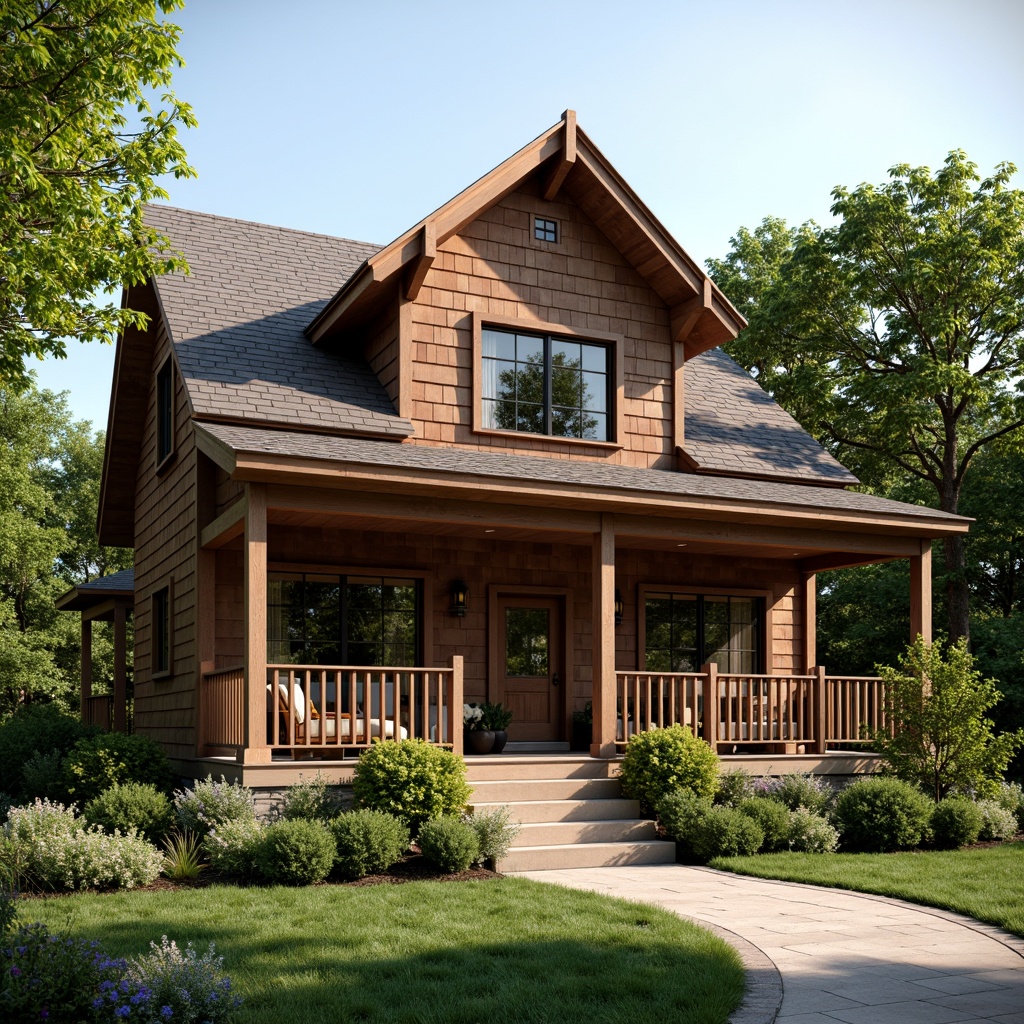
(164,412)
(545,229)
(544,384)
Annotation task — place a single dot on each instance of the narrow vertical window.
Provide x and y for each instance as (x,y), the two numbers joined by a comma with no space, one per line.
(162,631)
(164,412)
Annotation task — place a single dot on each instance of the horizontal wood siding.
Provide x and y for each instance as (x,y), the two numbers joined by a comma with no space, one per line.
(165,535)
(493,266)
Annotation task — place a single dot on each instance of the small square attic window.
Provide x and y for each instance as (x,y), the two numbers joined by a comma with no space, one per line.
(545,230)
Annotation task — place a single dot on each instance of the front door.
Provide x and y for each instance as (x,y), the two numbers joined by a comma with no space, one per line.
(530,681)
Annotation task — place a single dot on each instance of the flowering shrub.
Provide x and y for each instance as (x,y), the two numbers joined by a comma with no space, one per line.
(1011,798)
(312,800)
(998,822)
(183,987)
(810,833)
(801,790)
(210,803)
(53,849)
(734,787)
(232,846)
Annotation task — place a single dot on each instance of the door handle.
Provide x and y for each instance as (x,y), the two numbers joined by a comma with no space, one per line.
(554,679)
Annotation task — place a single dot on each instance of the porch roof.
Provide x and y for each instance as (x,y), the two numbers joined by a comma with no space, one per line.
(261,454)
(96,592)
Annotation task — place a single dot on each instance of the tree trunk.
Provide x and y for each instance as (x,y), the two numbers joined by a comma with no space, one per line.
(957,593)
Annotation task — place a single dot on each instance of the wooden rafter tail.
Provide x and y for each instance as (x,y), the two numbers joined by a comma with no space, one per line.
(423,262)
(567,159)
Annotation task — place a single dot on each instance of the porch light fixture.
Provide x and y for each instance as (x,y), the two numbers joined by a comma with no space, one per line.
(619,607)
(460,598)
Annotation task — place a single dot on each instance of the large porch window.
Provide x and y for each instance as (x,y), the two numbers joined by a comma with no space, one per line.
(684,631)
(327,619)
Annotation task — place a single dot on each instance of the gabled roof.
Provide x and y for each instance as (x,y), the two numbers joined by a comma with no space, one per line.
(98,591)
(702,317)
(734,428)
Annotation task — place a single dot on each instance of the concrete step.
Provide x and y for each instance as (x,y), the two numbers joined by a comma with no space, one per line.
(567,833)
(512,769)
(587,855)
(536,747)
(501,791)
(565,810)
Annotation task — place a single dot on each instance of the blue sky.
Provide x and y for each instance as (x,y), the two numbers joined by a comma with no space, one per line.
(357,119)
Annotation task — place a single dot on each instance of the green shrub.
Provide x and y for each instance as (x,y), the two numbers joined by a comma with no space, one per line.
(367,843)
(183,856)
(956,822)
(881,815)
(773,817)
(662,760)
(495,831)
(799,789)
(42,777)
(412,780)
(725,832)
(449,844)
(679,813)
(98,762)
(32,729)
(811,833)
(997,821)
(733,787)
(208,804)
(233,846)
(56,850)
(1011,798)
(311,800)
(295,852)
(133,805)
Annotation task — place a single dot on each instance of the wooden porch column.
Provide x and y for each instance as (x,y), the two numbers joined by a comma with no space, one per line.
(810,621)
(255,572)
(86,672)
(603,605)
(921,593)
(120,668)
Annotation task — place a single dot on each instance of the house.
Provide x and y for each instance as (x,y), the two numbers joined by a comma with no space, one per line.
(503,458)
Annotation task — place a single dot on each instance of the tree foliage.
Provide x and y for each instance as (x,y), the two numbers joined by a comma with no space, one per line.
(82,147)
(943,738)
(896,335)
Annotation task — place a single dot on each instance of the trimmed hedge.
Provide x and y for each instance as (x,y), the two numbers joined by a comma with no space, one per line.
(881,815)
(367,842)
(662,760)
(449,844)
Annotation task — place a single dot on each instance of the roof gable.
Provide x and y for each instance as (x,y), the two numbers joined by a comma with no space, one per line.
(565,158)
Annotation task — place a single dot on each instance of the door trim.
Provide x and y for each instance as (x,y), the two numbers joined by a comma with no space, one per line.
(495,694)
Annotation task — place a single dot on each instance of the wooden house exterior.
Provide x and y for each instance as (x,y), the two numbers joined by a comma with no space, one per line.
(502,458)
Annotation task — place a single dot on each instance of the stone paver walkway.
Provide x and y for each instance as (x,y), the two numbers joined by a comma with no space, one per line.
(842,956)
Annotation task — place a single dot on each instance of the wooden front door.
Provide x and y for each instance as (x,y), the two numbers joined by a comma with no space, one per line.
(528,656)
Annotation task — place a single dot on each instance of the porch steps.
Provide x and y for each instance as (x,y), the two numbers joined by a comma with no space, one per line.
(571,810)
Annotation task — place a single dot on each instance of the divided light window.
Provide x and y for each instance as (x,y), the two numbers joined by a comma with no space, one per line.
(320,619)
(545,230)
(684,631)
(164,412)
(543,384)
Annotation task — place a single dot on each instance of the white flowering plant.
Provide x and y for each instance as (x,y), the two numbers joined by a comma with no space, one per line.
(472,716)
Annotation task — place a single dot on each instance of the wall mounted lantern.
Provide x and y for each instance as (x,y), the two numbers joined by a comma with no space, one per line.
(460,598)
(619,607)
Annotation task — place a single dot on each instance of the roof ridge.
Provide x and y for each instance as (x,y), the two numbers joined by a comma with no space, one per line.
(260,224)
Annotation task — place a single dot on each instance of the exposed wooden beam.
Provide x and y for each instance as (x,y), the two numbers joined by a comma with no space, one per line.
(419,267)
(568,158)
(849,559)
(685,316)
(226,527)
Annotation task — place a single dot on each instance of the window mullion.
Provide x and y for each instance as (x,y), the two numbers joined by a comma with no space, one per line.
(547,385)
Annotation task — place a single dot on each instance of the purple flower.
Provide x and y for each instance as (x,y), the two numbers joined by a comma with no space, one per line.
(44,1013)
(122,1011)
(166,1012)
(15,972)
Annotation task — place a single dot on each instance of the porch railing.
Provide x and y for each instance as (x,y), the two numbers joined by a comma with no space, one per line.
(334,708)
(808,711)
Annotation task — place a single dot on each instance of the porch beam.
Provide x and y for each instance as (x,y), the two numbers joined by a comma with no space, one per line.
(120,669)
(844,560)
(255,588)
(810,593)
(603,615)
(921,593)
(86,673)
(226,527)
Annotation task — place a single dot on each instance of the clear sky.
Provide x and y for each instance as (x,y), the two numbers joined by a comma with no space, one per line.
(358,119)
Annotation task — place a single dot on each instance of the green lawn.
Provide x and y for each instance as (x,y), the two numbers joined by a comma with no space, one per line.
(426,952)
(985,883)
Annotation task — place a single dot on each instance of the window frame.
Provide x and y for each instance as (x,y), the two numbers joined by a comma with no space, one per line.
(164,408)
(424,585)
(540,223)
(161,654)
(763,620)
(616,373)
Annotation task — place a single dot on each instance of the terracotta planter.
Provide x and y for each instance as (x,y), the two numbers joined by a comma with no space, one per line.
(480,741)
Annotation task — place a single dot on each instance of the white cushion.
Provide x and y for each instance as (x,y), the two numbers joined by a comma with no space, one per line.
(298,699)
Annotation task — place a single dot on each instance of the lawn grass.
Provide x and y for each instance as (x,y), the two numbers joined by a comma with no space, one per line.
(428,952)
(986,883)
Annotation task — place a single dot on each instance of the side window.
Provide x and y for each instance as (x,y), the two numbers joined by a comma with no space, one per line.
(164,411)
(161,631)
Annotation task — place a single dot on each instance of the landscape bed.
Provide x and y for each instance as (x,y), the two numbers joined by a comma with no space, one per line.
(501,950)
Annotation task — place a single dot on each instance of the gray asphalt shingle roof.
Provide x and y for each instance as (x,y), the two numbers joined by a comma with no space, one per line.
(589,475)
(237,323)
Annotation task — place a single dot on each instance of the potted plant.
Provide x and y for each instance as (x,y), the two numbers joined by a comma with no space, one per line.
(582,727)
(497,718)
(478,739)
